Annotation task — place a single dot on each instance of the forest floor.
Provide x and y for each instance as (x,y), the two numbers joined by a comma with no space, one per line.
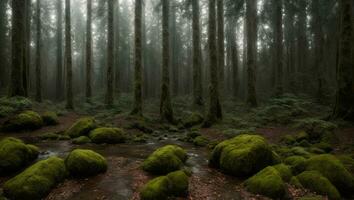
(274,119)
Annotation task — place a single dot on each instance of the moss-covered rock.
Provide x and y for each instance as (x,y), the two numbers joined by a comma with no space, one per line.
(50,118)
(192,120)
(179,183)
(27,120)
(288,139)
(347,161)
(315,128)
(315,182)
(300,151)
(9,106)
(84,163)
(267,182)
(14,155)
(297,163)
(157,188)
(284,171)
(107,135)
(317,197)
(331,168)
(295,182)
(243,155)
(324,146)
(49,136)
(201,141)
(36,181)
(165,159)
(82,127)
(81,140)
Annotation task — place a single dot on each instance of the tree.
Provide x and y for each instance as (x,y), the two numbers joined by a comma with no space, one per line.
(278,33)
(59,78)
(302,43)
(110,53)
(166,111)
(3,42)
(344,107)
(26,46)
(137,110)
(214,111)
(89,51)
(38,53)
(221,46)
(68,58)
(18,18)
(197,68)
(251,20)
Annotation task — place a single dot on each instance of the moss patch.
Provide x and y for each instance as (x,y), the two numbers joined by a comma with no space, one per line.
(27,120)
(243,155)
(81,127)
(50,118)
(296,163)
(165,159)
(201,141)
(284,171)
(36,181)
(84,163)
(192,120)
(81,140)
(107,135)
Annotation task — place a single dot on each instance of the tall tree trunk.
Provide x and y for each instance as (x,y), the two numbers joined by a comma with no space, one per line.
(18,19)
(214,111)
(116,48)
(197,68)
(38,53)
(59,78)
(68,58)
(3,46)
(279,45)
(166,111)
(89,51)
(344,107)
(110,53)
(251,20)
(302,44)
(234,61)
(221,45)
(137,110)
(174,49)
(26,46)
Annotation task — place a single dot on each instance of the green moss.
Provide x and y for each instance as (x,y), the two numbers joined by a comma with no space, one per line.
(201,141)
(157,188)
(301,136)
(9,106)
(49,136)
(6,111)
(315,128)
(347,161)
(314,181)
(324,146)
(288,139)
(311,198)
(165,159)
(84,163)
(331,168)
(192,120)
(27,120)
(316,150)
(81,140)
(297,163)
(243,155)
(50,118)
(295,182)
(140,139)
(284,172)
(81,127)
(142,126)
(14,155)
(179,183)
(36,181)
(107,135)
(267,182)
(300,151)
(304,143)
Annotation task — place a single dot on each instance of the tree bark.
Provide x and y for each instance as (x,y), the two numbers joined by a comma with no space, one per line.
(344,107)
(110,53)
(89,52)
(68,58)
(302,44)
(18,19)
(214,111)
(38,53)
(221,45)
(279,45)
(197,68)
(59,78)
(137,110)
(3,46)
(251,20)
(26,46)
(166,111)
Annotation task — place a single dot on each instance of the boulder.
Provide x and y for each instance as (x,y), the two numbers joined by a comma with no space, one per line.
(284,171)
(27,120)
(81,140)
(14,155)
(267,182)
(36,181)
(85,163)
(201,141)
(179,183)
(243,155)
(165,159)
(82,127)
(50,118)
(296,163)
(192,120)
(107,135)
(315,182)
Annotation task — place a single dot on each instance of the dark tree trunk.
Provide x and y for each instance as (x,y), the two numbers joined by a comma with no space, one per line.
(344,107)
(116,49)
(38,53)
(18,19)
(251,20)
(279,45)
(3,46)
(302,45)
(214,111)
(59,78)
(221,46)
(26,46)
(166,111)
(197,68)
(68,58)
(137,110)
(89,52)
(110,53)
